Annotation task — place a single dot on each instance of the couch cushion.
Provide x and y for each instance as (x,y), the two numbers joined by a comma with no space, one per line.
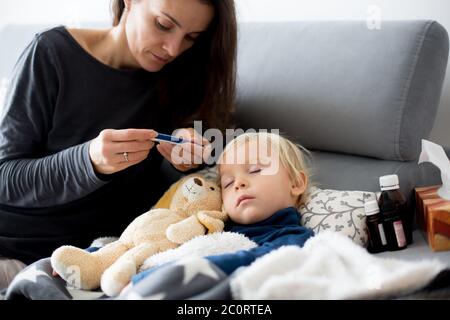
(338,86)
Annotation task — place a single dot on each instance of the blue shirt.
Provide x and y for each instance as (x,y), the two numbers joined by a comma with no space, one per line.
(281,229)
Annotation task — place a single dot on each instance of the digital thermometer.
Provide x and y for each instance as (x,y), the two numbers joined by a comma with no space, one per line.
(161,137)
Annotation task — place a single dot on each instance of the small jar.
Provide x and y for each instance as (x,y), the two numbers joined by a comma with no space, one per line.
(374,223)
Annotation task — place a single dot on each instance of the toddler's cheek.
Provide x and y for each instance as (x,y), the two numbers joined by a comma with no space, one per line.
(227,207)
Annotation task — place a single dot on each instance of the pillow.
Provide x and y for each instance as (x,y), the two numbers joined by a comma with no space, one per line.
(338,211)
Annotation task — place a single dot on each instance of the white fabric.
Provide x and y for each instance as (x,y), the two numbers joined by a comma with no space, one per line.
(201,246)
(330,266)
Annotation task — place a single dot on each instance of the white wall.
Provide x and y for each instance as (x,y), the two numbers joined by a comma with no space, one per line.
(77,11)
(53,11)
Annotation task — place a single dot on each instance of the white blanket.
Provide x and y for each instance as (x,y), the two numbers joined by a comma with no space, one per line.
(330,266)
(202,246)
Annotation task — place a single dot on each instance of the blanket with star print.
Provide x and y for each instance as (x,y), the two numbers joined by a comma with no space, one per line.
(329,266)
(37,282)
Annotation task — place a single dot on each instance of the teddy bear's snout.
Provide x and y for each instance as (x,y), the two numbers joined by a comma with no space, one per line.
(194,189)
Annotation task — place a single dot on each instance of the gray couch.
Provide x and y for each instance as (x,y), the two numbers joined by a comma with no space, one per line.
(361,100)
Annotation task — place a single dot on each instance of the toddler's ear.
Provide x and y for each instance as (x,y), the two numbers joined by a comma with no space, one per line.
(299,184)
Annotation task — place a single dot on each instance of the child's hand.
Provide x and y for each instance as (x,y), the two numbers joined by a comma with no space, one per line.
(186,156)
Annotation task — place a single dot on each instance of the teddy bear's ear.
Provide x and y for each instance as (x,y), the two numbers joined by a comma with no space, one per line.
(166,199)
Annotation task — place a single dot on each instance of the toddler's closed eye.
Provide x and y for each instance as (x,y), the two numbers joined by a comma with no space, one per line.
(226,183)
(254,169)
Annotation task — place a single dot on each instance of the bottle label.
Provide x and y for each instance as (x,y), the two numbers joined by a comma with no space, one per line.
(382,234)
(399,234)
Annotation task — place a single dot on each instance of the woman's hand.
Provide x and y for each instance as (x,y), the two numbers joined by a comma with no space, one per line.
(115,150)
(188,155)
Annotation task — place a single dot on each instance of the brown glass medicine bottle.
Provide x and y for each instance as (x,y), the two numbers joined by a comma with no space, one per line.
(374,223)
(392,207)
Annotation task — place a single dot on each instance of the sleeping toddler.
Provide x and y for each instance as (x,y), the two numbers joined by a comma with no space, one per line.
(264,180)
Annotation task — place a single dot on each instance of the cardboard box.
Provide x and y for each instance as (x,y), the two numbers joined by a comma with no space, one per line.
(433,217)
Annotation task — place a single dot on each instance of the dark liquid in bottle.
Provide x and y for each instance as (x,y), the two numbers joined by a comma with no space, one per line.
(392,207)
(377,235)
(401,206)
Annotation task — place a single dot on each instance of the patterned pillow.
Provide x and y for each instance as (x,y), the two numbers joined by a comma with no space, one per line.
(339,211)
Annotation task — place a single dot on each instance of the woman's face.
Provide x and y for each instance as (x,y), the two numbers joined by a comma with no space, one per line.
(158,31)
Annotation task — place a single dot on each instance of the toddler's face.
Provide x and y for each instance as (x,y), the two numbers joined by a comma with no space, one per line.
(257,187)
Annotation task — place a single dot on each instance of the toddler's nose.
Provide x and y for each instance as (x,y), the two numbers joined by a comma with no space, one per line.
(240,184)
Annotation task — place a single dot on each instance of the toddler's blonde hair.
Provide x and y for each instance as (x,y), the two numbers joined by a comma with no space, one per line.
(292,156)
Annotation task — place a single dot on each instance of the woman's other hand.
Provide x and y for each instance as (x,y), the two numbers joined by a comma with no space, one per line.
(115,150)
(186,156)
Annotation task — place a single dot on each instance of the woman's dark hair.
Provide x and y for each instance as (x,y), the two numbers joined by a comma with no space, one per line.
(200,84)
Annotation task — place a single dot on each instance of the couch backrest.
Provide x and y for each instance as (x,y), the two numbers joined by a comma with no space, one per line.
(337,86)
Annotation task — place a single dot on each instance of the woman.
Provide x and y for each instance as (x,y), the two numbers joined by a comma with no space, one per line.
(76,146)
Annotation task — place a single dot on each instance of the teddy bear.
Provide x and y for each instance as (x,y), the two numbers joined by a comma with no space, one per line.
(194,209)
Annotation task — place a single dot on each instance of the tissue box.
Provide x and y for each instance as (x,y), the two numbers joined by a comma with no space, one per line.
(433,217)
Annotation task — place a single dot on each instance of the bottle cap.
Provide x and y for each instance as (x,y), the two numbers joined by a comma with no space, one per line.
(371,208)
(389,182)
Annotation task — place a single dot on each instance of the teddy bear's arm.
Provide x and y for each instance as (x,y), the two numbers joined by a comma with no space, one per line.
(216,214)
(185,230)
(212,220)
